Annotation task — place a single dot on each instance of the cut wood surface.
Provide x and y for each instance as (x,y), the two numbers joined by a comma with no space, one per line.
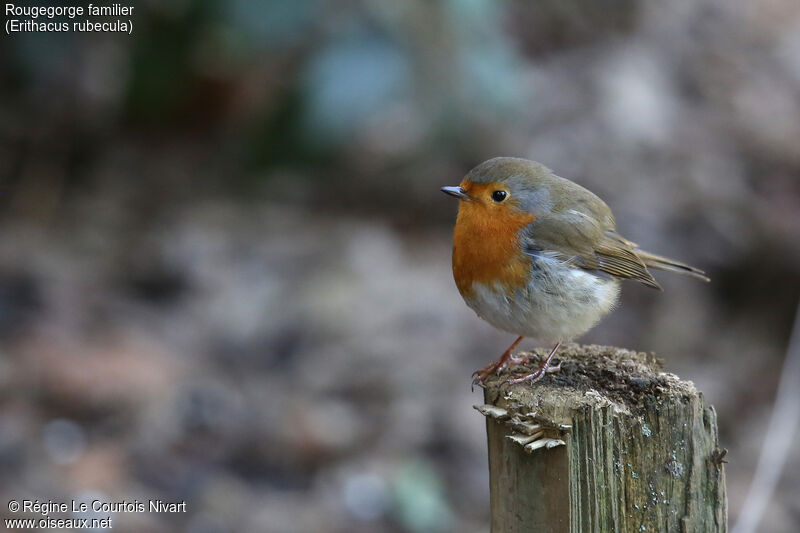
(611,443)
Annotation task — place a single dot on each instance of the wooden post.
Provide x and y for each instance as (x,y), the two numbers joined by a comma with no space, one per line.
(611,443)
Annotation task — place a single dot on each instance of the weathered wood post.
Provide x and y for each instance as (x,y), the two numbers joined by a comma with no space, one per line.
(611,443)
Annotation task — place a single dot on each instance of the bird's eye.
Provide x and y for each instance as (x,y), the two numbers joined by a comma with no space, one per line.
(499,196)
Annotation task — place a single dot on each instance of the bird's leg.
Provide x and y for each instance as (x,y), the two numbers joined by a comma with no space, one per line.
(533,377)
(497,366)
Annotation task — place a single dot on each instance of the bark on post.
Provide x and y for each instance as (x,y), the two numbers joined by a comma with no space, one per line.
(611,443)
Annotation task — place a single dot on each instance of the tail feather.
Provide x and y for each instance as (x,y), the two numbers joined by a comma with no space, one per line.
(663,263)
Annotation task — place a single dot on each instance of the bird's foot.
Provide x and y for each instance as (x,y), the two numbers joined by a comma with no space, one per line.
(508,358)
(533,377)
(479,376)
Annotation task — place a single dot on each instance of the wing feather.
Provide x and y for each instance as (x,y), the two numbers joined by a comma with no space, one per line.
(582,241)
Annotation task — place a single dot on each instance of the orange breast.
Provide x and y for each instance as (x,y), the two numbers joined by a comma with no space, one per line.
(486,247)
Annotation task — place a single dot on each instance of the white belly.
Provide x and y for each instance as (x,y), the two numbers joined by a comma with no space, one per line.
(558,303)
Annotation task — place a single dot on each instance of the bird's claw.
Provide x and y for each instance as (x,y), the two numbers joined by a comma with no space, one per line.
(533,377)
(475,381)
(553,369)
(479,376)
(497,367)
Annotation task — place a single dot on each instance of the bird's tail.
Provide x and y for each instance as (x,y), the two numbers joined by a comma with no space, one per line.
(662,263)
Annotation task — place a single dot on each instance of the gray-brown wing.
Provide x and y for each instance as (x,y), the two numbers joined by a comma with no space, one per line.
(582,241)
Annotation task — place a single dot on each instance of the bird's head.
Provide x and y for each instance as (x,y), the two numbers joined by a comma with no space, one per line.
(504,186)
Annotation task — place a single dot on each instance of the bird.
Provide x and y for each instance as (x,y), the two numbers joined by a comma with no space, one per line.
(537,255)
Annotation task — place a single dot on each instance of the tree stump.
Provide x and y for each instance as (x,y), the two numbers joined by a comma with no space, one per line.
(611,443)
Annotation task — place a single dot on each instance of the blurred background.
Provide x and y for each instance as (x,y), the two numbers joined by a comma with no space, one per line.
(225,261)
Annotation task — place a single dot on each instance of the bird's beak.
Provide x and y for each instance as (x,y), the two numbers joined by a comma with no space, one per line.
(457,192)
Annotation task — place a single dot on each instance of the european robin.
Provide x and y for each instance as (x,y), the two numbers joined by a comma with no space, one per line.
(539,256)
